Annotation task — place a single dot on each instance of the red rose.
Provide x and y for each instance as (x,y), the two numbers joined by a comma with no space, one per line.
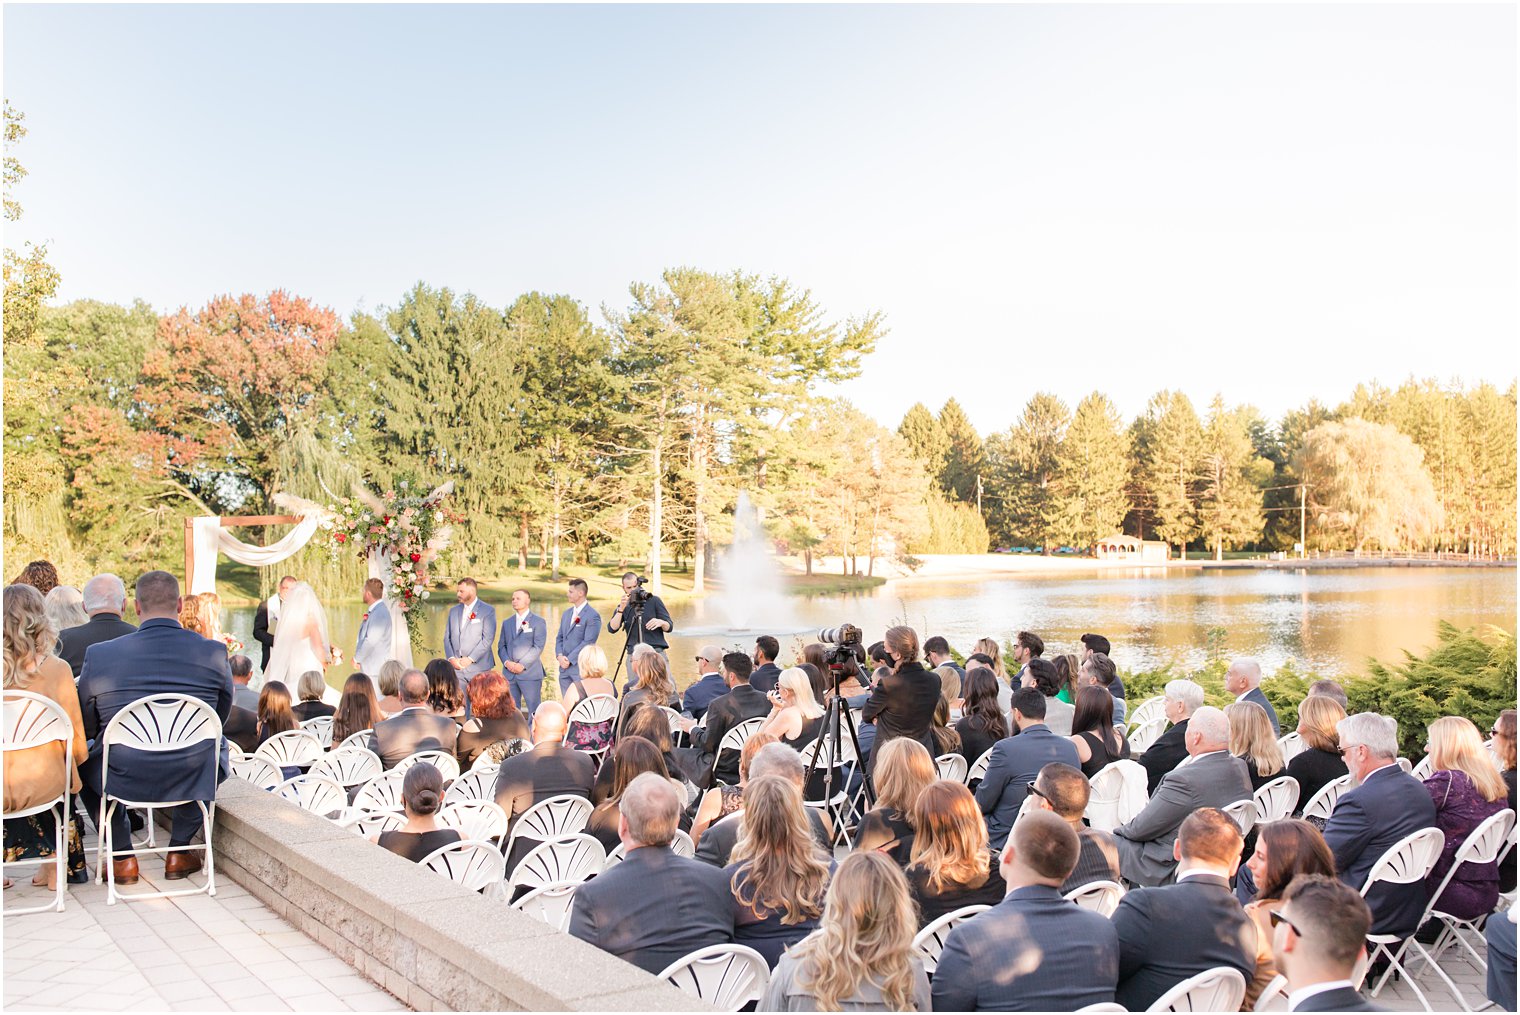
(472,614)
(365,617)
(416,557)
(577,620)
(407,593)
(341,537)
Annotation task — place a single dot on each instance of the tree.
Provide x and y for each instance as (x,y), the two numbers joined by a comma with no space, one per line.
(1280,445)
(29,280)
(925,438)
(1368,484)
(1169,451)
(1229,500)
(1093,469)
(1040,506)
(964,457)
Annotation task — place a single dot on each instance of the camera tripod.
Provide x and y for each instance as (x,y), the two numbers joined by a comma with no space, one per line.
(836,719)
(638,632)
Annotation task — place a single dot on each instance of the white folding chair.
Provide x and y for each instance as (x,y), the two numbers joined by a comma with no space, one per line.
(444,761)
(589,711)
(549,903)
(475,865)
(1322,803)
(549,819)
(258,770)
(1483,845)
(1118,793)
(815,756)
(1243,813)
(482,820)
(368,823)
(978,769)
(1423,768)
(359,739)
(1292,745)
(155,725)
(476,784)
(1404,764)
(315,793)
(952,767)
(382,793)
(321,728)
(291,749)
(1103,1006)
(568,859)
(1274,996)
(734,740)
(1147,711)
(930,941)
(34,720)
(675,719)
(1099,896)
(1218,989)
(349,766)
(1407,861)
(681,845)
(1146,734)
(1276,799)
(727,977)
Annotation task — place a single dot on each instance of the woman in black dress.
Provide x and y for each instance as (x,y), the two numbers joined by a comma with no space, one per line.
(902,772)
(422,796)
(952,863)
(984,723)
(493,717)
(1320,761)
(1098,743)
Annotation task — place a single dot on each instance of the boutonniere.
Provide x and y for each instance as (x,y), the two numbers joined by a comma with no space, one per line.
(575,621)
(365,617)
(472,614)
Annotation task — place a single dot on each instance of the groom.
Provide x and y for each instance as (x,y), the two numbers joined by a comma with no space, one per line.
(268,614)
(467,638)
(374,646)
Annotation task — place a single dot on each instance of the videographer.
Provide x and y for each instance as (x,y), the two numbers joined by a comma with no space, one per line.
(636,601)
(903,701)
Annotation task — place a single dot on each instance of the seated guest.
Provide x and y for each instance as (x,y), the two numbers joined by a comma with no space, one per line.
(861,958)
(644,720)
(1063,790)
(1243,679)
(742,702)
(1253,740)
(1099,671)
(591,681)
(795,714)
(493,716)
(1182,698)
(243,696)
(650,684)
(717,843)
(65,608)
(1320,762)
(1067,671)
(984,660)
(242,728)
(1466,789)
(1015,762)
(1097,742)
(631,758)
(902,771)
(275,713)
(1329,689)
(765,673)
(777,871)
(1499,931)
(1211,778)
(388,686)
(1169,934)
(1504,750)
(1094,645)
(1284,850)
(1320,935)
(36,775)
(358,708)
(723,799)
(1033,951)
(1026,646)
(655,907)
(937,653)
(950,680)
(415,728)
(421,797)
(946,740)
(1041,675)
(982,721)
(709,685)
(1383,806)
(310,688)
(820,683)
(105,601)
(445,693)
(550,769)
(952,865)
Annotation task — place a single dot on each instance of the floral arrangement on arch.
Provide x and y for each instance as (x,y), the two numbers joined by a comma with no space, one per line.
(412,529)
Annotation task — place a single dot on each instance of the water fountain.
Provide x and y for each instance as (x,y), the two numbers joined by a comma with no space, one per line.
(752,599)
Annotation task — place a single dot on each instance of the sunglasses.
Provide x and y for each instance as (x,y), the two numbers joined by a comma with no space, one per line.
(1278,918)
(1035,791)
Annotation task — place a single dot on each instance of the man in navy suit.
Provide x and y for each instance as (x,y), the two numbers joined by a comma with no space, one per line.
(1383,807)
(1243,679)
(467,635)
(765,674)
(579,626)
(1034,951)
(160,658)
(1319,934)
(1016,762)
(523,636)
(710,685)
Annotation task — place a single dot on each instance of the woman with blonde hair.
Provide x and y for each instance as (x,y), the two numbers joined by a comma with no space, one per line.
(902,773)
(795,712)
(946,739)
(1467,789)
(35,776)
(990,648)
(1320,761)
(777,871)
(953,866)
(592,664)
(210,609)
(861,957)
(651,683)
(1251,741)
(65,608)
(190,614)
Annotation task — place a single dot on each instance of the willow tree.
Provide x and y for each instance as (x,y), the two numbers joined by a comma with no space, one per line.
(1368,486)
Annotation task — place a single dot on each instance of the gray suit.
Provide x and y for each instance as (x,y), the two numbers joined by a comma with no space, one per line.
(413,729)
(1145,843)
(572,638)
(374,645)
(465,637)
(654,908)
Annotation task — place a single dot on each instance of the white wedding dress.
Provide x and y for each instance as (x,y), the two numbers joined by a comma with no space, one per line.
(300,641)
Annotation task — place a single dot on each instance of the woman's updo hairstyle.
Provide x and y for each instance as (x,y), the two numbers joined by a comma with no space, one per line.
(422,788)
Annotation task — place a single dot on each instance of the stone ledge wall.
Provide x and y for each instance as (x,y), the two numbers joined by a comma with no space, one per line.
(435,945)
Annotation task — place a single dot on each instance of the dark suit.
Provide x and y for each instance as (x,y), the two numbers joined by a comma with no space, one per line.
(721,836)
(262,634)
(548,770)
(1339,999)
(1367,820)
(527,649)
(1145,841)
(1168,934)
(1034,951)
(654,908)
(726,712)
(1164,755)
(101,627)
(415,728)
(1013,766)
(902,705)
(242,729)
(763,678)
(703,693)
(1254,694)
(161,657)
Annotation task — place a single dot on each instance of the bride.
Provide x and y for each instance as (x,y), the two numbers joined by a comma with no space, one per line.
(300,640)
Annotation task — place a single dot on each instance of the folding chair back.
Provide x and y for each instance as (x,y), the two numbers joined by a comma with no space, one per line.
(736,738)
(728,977)
(978,769)
(475,865)
(930,941)
(315,793)
(34,720)
(549,903)
(349,766)
(1099,896)
(1292,745)
(568,859)
(1145,734)
(1243,813)
(359,739)
(258,770)
(321,728)
(444,761)
(1276,800)
(952,767)
(368,823)
(475,819)
(1148,710)
(291,749)
(550,819)
(1322,803)
(382,793)
(592,710)
(1218,989)
(476,784)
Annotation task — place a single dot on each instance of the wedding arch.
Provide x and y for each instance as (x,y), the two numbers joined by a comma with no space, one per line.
(207,538)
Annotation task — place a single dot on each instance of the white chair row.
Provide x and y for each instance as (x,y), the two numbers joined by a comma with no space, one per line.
(1099,896)
(33,720)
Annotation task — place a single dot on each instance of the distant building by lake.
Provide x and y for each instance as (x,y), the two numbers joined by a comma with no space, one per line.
(1122,547)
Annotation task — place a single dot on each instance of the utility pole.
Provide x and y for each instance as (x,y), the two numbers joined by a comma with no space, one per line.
(979,493)
(1302,499)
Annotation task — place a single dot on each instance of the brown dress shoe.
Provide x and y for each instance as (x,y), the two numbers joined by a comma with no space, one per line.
(181,865)
(124,872)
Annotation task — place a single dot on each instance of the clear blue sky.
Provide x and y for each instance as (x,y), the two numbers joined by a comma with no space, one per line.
(1275,202)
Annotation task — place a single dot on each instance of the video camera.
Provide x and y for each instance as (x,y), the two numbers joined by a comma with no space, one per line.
(847,652)
(639,595)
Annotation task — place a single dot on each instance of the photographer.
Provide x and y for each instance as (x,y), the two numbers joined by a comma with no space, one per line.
(656,618)
(903,701)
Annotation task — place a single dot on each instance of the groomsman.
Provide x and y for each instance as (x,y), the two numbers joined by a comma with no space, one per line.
(579,626)
(523,636)
(467,637)
(374,645)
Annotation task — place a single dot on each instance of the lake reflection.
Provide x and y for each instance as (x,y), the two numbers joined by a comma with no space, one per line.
(1327,621)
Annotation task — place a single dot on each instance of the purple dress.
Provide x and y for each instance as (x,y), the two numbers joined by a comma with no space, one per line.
(1459,809)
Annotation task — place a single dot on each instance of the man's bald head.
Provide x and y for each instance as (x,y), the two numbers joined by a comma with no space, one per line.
(413,689)
(1208,730)
(549,721)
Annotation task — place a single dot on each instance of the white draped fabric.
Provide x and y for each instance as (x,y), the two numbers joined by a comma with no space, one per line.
(209,539)
(401,636)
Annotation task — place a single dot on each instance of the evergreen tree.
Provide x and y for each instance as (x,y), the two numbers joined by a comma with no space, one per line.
(964,455)
(1094,469)
(1229,501)
(925,438)
(1040,509)
(1170,450)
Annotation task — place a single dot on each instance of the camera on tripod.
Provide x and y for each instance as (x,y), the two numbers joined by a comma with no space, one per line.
(639,595)
(846,653)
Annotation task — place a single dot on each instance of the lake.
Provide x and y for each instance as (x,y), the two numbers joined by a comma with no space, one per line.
(1329,621)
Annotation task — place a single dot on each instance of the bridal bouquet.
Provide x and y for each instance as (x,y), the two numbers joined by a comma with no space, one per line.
(233,645)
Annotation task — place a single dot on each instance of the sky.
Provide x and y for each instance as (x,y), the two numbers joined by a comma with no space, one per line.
(1275,203)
